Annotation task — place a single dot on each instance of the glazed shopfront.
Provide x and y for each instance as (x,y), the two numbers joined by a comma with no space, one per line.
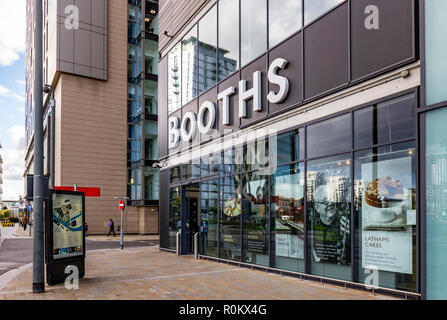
(295,142)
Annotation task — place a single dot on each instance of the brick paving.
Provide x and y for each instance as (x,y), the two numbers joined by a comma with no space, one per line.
(148,274)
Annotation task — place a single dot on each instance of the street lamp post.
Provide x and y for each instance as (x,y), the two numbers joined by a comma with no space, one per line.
(38,239)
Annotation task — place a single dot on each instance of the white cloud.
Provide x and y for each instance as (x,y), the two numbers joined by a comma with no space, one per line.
(14,164)
(5,92)
(12,30)
(21,82)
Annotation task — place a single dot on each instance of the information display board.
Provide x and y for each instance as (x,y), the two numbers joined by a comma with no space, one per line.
(66,220)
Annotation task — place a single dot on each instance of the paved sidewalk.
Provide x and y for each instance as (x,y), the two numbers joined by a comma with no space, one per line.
(148,274)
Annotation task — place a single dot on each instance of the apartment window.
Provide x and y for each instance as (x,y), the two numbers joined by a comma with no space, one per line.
(253,29)
(174,78)
(189,66)
(285,18)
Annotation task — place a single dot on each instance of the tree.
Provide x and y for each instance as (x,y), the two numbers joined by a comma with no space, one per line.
(5,214)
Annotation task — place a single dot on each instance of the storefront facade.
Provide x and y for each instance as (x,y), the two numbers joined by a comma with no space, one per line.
(293,139)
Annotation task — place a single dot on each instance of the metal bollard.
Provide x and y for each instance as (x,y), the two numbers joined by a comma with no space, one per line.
(196,245)
(178,242)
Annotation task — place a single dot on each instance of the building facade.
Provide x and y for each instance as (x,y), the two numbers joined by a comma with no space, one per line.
(307,137)
(90,47)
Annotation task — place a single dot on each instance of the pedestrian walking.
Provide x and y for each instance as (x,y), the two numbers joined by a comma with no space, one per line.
(24,223)
(86,228)
(111,228)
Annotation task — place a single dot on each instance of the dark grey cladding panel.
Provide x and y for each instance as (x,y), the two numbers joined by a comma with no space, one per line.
(164,209)
(393,42)
(292,51)
(326,58)
(82,46)
(163,108)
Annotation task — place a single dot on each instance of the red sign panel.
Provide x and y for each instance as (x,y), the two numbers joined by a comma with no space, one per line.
(122,205)
(89,192)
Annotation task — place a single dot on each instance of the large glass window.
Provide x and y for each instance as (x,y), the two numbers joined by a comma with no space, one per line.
(151,140)
(287,218)
(253,29)
(436,204)
(385,211)
(329,137)
(151,182)
(174,78)
(255,197)
(150,97)
(393,120)
(290,146)
(228,37)
(329,216)
(315,8)
(209,217)
(435,49)
(189,66)
(208,50)
(151,56)
(285,18)
(175,220)
(230,218)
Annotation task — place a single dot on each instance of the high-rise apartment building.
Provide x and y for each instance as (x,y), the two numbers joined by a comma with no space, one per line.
(101,58)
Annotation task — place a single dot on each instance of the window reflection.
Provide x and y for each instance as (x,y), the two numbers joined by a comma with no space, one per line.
(189,66)
(174,215)
(209,215)
(329,137)
(393,120)
(315,8)
(228,37)
(253,29)
(329,214)
(174,79)
(287,218)
(285,18)
(208,50)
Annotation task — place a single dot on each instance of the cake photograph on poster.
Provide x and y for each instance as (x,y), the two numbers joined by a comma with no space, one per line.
(387,217)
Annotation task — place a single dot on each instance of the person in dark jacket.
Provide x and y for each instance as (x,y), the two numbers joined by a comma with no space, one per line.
(111,228)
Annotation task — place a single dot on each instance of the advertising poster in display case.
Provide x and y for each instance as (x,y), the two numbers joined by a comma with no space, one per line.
(330,216)
(67,216)
(387,216)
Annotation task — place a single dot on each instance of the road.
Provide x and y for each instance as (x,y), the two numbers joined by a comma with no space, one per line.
(16,251)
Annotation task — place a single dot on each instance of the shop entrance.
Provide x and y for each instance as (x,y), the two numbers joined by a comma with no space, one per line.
(191,216)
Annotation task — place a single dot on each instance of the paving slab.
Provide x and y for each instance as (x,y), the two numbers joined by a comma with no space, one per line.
(150,274)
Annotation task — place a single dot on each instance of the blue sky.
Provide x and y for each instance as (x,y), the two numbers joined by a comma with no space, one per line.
(12,95)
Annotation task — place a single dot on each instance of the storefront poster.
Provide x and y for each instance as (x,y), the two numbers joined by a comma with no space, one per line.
(67,217)
(289,246)
(387,235)
(330,218)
